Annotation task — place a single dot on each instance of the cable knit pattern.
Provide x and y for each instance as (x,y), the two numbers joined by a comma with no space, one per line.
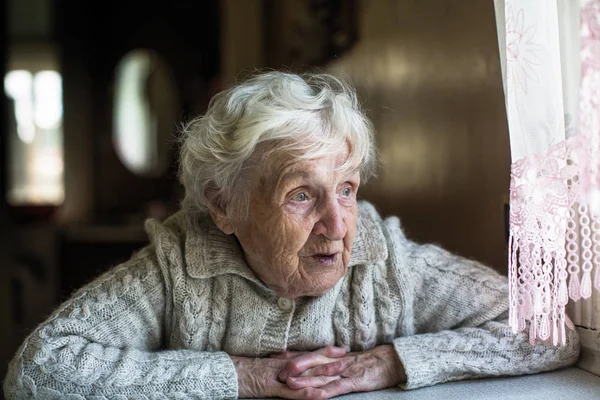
(341,316)
(162,325)
(219,314)
(384,306)
(363,305)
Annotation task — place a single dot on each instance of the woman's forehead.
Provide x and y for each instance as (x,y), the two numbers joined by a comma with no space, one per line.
(311,168)
(276,163)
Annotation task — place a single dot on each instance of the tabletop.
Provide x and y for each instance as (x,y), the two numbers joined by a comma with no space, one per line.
(570,383)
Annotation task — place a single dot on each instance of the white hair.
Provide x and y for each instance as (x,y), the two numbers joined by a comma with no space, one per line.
(305,116)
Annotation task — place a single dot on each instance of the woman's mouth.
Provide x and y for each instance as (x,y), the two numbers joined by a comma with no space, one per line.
(326,259)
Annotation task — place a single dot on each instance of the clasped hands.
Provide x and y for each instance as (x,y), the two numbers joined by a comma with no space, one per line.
(320,374)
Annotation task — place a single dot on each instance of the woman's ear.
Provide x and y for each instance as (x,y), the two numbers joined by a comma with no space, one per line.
(218,211)
(221,219)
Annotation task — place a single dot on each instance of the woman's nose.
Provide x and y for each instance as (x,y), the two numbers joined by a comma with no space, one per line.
(331,223)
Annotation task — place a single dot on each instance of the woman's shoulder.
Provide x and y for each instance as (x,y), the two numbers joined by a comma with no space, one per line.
(167,239)
(172,228)
(196,248)
(174,231)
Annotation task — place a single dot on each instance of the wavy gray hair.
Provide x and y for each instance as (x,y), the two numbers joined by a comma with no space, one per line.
(304,116)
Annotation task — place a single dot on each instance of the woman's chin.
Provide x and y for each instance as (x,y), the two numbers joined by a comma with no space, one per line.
(312,282)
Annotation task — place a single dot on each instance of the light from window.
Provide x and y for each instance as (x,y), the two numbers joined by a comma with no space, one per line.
(132,117)
(145,111)
(47,88)
(35,164)
(17,85)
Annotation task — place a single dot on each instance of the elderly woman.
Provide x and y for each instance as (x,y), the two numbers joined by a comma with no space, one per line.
(274,280)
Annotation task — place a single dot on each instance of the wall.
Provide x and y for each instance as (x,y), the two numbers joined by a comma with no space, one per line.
(24,297)
(5,336)
(429,73)
(242,38)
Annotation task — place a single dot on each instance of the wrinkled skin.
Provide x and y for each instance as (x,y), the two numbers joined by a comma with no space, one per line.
(298,239)
(299,233)
(320,374)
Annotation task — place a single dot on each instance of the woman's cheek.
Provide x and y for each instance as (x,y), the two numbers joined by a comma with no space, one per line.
(348,201)
(299,207)
(299,217)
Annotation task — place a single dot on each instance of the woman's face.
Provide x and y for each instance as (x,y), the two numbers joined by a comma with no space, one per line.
(301,224)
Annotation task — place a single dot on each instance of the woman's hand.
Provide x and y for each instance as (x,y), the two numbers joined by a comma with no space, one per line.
(258,377)
(374,369)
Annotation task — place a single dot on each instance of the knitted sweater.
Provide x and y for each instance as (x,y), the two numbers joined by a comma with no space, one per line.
(163,324)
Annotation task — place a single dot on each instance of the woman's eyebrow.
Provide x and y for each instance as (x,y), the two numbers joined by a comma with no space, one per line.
(298,174)
(295,174)
(291,175)
(349,174)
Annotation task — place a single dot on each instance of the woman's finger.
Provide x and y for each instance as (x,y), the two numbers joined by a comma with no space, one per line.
(328,351)
(299,394)
(337,388)
(332,351)
(296,366)
(300,382)
(286,355)
(329,369)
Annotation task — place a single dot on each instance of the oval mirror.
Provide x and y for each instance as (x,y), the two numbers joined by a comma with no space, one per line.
(145,110)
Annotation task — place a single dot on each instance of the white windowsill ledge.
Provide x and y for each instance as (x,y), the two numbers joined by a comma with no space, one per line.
(569,383)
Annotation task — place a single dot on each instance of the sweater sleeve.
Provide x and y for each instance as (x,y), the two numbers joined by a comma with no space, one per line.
(107,342)
(456,317)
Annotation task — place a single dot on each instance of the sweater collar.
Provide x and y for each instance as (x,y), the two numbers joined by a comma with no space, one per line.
(210,252)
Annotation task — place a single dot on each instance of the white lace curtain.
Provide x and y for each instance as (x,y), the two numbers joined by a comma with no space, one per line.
(550,54)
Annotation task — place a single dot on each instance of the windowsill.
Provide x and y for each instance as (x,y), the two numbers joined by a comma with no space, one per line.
(589,358)
(569,383)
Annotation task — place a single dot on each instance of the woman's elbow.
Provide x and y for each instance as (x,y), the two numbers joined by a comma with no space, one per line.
(570,351)
(17,384)
(30,373)
(563,356)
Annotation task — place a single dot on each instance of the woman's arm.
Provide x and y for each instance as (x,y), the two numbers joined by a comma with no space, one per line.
(456,317)
(107,341)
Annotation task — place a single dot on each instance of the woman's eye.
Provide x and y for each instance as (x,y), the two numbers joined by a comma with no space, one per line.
(300,197)
(347,192)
